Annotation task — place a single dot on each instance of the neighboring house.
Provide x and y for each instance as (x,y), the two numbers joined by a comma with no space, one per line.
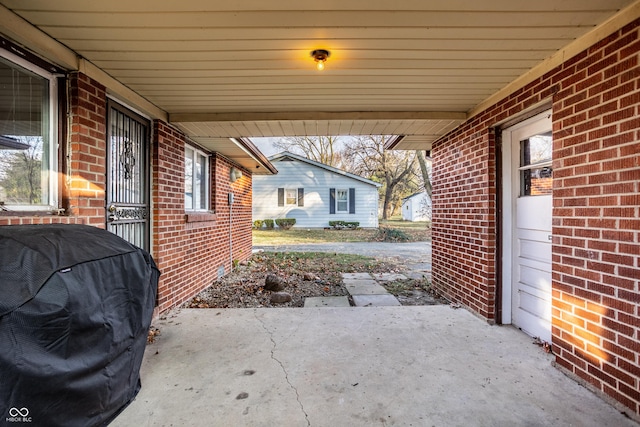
(416,207)
(314,194)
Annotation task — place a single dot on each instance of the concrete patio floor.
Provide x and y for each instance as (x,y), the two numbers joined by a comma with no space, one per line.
(351,366)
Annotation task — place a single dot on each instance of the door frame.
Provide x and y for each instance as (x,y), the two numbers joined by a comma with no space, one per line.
(510,183)
(135,115)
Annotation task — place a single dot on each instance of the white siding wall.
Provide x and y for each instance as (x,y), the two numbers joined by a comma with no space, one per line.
(412,208)
(316,183)
(407,210)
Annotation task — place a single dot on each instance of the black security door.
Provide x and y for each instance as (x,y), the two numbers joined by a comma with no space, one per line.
(128,175)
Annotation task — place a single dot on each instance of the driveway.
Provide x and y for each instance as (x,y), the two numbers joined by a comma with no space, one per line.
(414,256)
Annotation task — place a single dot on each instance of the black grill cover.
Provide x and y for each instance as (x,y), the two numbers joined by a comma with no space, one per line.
(76,304)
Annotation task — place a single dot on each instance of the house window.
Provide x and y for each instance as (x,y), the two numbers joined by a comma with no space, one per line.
(342,200)
(196,180)
(536,173)
(28,136)
(291,197)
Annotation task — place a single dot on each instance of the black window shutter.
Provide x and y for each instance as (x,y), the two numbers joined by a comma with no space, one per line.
(300,196)
(352,200)
(280,196)
(332,200)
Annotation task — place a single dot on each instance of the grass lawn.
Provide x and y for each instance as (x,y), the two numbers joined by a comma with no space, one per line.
(417,232)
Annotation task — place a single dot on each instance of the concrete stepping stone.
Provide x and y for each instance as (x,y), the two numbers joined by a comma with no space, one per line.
(375,300)
(327,302)
(367,292)
(364,287)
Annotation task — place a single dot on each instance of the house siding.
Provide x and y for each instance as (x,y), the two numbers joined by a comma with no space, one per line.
(413,209)
(188,249)
(317,183)
(595,99)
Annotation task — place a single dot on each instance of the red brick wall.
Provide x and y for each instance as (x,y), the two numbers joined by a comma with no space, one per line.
(88,150)
(464,219)
(189,249)
(596,251)
(596,214)
(241,224)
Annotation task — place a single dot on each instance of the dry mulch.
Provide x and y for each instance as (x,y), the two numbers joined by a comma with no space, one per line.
(308,274)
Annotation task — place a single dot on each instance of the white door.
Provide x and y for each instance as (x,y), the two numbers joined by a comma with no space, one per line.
(527,212)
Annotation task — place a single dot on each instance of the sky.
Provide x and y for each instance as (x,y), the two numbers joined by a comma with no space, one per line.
(266,145)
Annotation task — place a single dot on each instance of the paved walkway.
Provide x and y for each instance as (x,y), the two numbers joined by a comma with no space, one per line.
(365,290)
(352,366)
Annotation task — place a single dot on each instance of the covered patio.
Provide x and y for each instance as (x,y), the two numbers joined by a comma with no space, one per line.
(326,367)
(457,78)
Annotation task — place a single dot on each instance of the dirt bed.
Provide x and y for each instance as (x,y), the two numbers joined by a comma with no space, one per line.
(308,274)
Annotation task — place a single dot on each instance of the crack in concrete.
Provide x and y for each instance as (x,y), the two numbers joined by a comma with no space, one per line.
(286,375)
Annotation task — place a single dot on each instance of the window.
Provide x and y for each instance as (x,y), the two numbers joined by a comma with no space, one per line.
(536,173)
(290,196)
(196,180)
(28,142)
(342,201)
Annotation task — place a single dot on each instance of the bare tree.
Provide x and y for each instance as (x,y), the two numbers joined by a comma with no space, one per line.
(366,156)
(425,207)
(20,173)
(323,149)
(425,171)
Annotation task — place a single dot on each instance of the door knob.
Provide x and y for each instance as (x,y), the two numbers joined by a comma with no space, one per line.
(112,209)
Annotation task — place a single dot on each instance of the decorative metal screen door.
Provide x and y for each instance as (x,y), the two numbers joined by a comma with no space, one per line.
(128,176)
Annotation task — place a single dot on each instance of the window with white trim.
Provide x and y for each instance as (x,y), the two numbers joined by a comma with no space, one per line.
(196,180)
(536,171)
(291,197)
(28,136)
(342,200)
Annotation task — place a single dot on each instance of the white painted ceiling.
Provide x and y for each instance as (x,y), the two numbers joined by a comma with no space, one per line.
(242,68)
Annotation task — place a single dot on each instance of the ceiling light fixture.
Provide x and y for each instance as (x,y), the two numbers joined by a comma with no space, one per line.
(320,56)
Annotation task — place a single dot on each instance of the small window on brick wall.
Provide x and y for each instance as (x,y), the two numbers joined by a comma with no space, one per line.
(536,173)
(28,153)
(196,180)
